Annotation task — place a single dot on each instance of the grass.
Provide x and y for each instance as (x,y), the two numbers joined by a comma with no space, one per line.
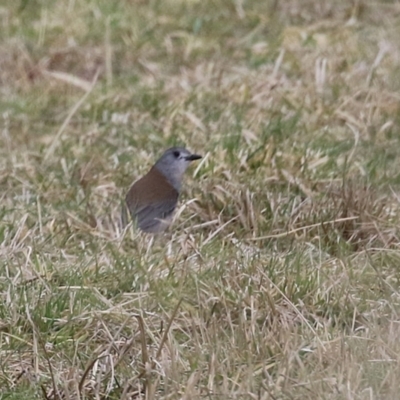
(279,278)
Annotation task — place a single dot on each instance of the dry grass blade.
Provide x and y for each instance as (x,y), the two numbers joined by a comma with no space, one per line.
(67,120)
(56,393)
(295,309)
(70,79)
(217,231)
(302,229)
(167,329)
(88,368)
(145,355)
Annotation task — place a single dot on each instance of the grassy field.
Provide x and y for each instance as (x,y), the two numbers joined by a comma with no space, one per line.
(280,276)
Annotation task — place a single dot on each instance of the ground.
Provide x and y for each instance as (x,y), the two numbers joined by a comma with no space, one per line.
(279,278)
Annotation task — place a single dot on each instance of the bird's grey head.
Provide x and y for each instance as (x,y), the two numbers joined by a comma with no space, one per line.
(173,164)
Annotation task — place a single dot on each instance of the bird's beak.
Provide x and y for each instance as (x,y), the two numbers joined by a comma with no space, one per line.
(193,157)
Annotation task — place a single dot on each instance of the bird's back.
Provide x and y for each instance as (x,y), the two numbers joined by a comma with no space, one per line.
(151,201)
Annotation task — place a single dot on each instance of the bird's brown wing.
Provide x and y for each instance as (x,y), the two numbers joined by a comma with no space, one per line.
(151,204)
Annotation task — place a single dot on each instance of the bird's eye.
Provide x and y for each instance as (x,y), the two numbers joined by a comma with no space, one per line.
(176,154)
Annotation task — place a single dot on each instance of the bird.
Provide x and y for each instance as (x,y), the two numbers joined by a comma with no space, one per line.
(151,200)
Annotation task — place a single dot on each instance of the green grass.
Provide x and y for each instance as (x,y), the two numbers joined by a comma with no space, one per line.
(279,278)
